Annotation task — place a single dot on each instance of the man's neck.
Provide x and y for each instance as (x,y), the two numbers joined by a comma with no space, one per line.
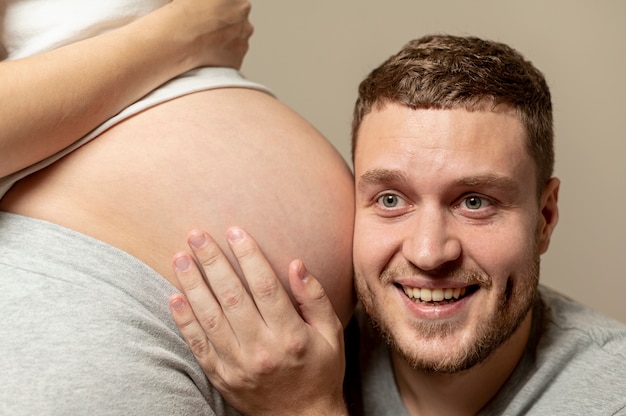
(464,393)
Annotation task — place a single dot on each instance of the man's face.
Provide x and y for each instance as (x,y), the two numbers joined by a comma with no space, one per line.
(448,231)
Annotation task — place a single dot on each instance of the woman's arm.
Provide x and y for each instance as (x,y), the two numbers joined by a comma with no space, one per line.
(50,100)
(255,348)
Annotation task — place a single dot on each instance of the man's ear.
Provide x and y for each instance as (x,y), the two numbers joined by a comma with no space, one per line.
(549,213)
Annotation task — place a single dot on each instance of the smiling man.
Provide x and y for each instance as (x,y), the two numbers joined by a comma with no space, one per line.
(453,159)
(446,246)
(455,204)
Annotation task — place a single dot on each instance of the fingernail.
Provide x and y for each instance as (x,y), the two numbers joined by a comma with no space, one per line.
(177,304)
(302,273)
(235,235)
(198,241)
(182,264)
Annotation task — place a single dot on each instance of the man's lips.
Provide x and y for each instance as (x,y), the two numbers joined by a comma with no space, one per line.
(438,295)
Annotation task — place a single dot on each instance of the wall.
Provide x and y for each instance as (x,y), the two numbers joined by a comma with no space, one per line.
(313,55)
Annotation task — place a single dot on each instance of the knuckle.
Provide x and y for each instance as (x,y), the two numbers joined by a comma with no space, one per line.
(239,380)
(295,347)
(209,322)
(318,294)
(209,257)
(231,297)
(245,249)
(264,286)
(191,283)
(264,363)
(248,30)
(247,7)
(199,347)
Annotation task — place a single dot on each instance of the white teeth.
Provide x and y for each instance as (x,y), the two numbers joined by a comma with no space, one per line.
(434,295)
(416,292)
(457,292)
(437,295)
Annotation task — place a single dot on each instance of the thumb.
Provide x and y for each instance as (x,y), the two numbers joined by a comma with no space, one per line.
(314,305)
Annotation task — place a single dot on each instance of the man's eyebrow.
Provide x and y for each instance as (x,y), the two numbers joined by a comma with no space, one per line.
(380,177)
(490,181)
(391,176)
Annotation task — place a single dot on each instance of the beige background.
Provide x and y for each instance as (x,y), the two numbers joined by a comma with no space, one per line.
(313,55)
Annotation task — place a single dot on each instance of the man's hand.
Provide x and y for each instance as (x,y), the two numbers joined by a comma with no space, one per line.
(254,346)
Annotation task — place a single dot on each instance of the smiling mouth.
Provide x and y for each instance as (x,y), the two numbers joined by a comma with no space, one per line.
(440,296)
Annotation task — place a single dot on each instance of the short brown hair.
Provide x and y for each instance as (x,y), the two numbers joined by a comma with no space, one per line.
(447,72)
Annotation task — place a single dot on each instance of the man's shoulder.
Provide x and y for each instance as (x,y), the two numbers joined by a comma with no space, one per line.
(574,363)
(578,345)
(565,320)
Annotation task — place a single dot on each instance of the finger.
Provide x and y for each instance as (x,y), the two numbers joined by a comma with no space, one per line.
(192,332)
(202,303)
(314,304)
(236,305)
(207,311)
(270,296)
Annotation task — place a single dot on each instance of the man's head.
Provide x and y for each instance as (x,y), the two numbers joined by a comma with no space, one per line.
(454,198)
(446,72)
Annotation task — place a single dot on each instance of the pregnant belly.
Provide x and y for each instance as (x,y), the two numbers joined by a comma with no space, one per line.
(207,160)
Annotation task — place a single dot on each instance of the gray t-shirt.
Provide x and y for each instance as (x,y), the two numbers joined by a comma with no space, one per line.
(574,364)
(86,330)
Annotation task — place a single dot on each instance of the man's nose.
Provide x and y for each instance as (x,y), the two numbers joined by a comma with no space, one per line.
(431,239)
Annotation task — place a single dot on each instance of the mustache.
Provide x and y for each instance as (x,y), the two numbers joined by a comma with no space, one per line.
(449,271)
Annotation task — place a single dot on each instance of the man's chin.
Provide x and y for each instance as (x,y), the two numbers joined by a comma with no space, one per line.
(448,354)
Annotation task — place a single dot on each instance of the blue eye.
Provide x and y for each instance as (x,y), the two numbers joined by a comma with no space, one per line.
(389,200)
(475,202)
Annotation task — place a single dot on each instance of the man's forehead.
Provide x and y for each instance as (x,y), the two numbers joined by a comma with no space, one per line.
(453,147)
(392,125)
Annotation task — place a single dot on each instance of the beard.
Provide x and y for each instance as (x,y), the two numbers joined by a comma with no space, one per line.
(492,331)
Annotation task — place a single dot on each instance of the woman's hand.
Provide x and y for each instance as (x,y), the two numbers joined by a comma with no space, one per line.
(217,31)
(253,345)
